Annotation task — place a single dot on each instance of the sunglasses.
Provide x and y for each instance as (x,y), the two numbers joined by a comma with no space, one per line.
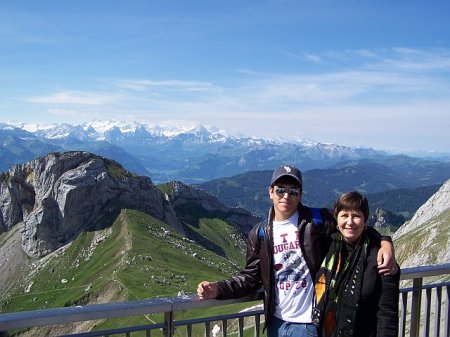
(281,190)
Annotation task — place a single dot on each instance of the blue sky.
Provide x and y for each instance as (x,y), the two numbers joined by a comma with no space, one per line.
(359,73)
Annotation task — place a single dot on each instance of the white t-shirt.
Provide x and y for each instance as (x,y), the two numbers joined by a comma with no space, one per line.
(294,290)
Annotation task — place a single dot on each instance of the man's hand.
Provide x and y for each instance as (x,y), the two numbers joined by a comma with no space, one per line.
(207,289)
(386,259)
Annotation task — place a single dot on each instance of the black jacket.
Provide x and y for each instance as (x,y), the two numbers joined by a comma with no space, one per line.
(364,302)
(377,313)
(259,272)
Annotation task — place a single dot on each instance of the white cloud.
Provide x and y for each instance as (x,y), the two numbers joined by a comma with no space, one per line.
(362,53)
(375,85)
(382,97)
(76,97)
(313,58)
(141,85)
(63,112)
(411,60)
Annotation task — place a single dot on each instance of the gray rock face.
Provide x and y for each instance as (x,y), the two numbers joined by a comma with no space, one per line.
(60,195)
(382,218)
(184,194)
(425,239)
(437,204)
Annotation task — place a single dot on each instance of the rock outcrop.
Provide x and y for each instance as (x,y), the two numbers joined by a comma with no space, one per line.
(182,194)
(61,194)
(437,204)
(424,240)
(383,218)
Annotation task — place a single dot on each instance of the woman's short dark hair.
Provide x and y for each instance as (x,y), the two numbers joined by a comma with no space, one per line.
(350,201)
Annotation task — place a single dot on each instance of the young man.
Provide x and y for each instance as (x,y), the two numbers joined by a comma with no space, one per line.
(284,254)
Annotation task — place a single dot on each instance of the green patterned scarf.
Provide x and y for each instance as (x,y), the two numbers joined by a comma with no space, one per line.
(338,287)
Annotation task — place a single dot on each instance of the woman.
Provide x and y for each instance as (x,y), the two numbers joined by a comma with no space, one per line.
(352,298)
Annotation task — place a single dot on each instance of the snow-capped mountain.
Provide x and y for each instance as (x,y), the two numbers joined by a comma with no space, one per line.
(102,130)
(190,153)
(121,131)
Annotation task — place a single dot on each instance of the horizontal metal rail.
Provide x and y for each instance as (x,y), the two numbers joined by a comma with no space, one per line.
(442,305)
(425,271)
(168,306)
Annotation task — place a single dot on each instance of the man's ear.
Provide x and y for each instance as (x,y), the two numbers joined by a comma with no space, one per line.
(271,192)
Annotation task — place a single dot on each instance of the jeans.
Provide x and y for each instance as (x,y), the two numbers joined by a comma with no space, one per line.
(279,328)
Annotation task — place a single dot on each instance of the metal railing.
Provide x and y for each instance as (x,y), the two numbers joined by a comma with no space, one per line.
(415,315)
(413,295)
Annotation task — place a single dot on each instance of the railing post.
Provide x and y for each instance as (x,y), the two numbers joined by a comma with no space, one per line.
(257,325)
(447,312)
(415,307)
(404,313)
(168,324)
(224,327)
(437,311)
(208,329)
(426,327)
(241,327)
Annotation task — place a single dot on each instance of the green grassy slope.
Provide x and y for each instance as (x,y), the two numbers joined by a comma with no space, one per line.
(138,257)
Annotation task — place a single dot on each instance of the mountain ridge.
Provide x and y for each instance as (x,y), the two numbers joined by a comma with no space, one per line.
(383,186)
(189,154)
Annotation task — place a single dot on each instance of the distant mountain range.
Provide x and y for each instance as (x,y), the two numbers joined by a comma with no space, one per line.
(191,155)
(394,189)
(236,169)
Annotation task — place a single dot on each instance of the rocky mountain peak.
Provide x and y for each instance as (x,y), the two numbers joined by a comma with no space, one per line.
(57,196)
(180,194)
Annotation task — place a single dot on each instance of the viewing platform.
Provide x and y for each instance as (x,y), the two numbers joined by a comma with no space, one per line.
(424,310)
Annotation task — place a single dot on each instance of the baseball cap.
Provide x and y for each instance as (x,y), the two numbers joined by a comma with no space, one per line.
(289,171)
